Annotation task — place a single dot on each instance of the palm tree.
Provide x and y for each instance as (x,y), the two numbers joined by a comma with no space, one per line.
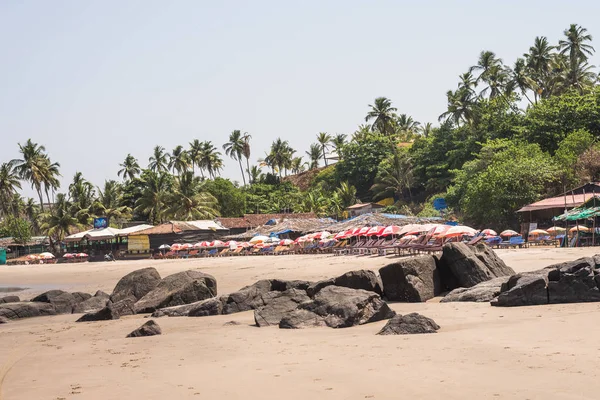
(338,142)
(179,160)
(314,153)
(158,160)
(109,202)
(255,174)
(538,61)
(347,194)
(210,159)
(58,223)
(426,129)
(9,183)
(461,107)
(32,212)
(235,148)
(362,132)
(314,202)
(189,200)
(154,196)
(394,179)
(406,127)
(246,152)
(522,79)
(575,45)
(382,113)
(297,165)
(129,168)
(195,153)
(281,154)
(324,139)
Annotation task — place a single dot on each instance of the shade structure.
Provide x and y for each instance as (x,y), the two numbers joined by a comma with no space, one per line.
(489,232)
(217,243)
(439,230)
(410,237)
(375,230)
(580,228)
(363,231)
(175,247)
(259,239)
(164,247)
(406,228)
(343,234)
(321,235)
(68,255)
(556,229)
(460,230)
(509,233)
(46,255)
(186,246)
(81,255)
(538,232)
(355,231)
(416,229)
(285,242)
(391,230)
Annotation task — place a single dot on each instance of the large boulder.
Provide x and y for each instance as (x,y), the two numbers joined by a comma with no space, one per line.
(361,279)
(482,292)
(9,299)
(524,290)
(278,304)
(573,282)
(136,284)
(123,307)
(94,303)
(341,307)
(208,307)
(81,296)
(105,314)
(63,302)
(177,289)
(150,328)
(410,280)
(247,298)
(26,309)
(409,324)
(471,265)
(3,320)
(300,319)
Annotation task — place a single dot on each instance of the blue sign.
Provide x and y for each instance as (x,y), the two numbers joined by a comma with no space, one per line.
(440,204)
(100,223)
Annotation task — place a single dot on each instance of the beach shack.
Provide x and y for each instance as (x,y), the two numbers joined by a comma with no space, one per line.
(178,232)
(98,242)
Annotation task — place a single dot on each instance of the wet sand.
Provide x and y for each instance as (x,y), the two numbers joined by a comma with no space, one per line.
(481,352)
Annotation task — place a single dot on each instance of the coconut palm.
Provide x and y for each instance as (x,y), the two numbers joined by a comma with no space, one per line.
(426,129)
(347,194)
(9,183)
(314,154)
(154,197)
(255,174)
(461,107)
(324,139)
(338,142)
(190,201)
(382,114)
(32,212)
(395,178)
(179,160)
(281,154)
(210,159)
(129,168)
(195,153)
(576,45)
(538,61)
(297,165)
(158,160)
(58,223)
(362,132)
(246,152)
(109,202)
(522,78)
(406,127)
(235,148)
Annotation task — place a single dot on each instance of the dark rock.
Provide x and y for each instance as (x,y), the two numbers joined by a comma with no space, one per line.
(231,323)
(136,284)
(177,289)
(80,296)
(409,324)
(105,314)
(26,309)
(411,280)
(247,298)
(523,290)
(573,282)
(208,307)
(596,261)
(150,328)
(278,304)
(484,291)
(471,265)
(100,293)
(447,279)
(62,301)
(9,299)
(341,307)
(300,319)
(3,320)
(361,279)
(281,285)
(92,304)
(124,306)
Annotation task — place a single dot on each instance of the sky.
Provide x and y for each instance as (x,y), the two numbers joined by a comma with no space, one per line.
(96,80)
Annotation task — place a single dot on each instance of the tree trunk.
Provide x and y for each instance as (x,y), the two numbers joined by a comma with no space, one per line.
(242,170)
(250,180)
(324,156)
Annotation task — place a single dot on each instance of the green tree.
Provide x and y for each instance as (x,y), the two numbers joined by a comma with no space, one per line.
(189,199)
(394,177)
(235,149)
(314,154)
(324,139)
(58,222)
(153,198)
(338,142)
(382,113)
(179,160)
(159,160)
(230,198)
(9,184)
(129,168)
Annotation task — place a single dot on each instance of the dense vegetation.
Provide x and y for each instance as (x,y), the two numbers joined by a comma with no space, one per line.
(509,136)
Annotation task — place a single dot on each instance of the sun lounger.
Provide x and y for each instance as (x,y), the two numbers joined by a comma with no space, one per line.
(475,240)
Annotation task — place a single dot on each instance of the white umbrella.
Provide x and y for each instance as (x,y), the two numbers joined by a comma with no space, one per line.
(164,247)
(46,255)
(259,239)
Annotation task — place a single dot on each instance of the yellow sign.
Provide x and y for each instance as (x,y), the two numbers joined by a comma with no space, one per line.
(139,242)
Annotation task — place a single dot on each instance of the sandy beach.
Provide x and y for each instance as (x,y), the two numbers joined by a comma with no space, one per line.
(481,352)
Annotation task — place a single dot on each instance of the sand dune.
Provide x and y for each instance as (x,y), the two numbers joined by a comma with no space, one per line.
(481,352)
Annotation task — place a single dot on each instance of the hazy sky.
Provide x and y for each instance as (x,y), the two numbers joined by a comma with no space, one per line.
(95,80)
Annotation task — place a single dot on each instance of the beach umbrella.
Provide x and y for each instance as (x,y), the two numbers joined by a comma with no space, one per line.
(46,255)
(556,229)
(285,242)
(81,255)
(164,247)
(32,257)
(217,243)
(354,231)
(391,230)
(410,237)
(175,247)
(509,233)
(376,230)
(185,246)
(416,229)
(489,232)
(363,231)
(580,228)
(321,235)
(439,230)
(460,230)
(538,232)
(341,235)
(259,239)
(273,239)
(68,255)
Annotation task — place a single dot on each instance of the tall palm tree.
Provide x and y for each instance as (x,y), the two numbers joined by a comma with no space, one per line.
(347,194)
(235,148)
(461,107)
(154,197)
(195,153)
(58,223)
(129,168)
(407,127)
(426,129)
(538,61)
(9,183)
(32,212)
(109,202)
(190,201)
(255,174)
(394,179)
(297,165)
(246,153)
(522,78)
(576,45)
(158,160)
(362,132)
(324,139)
(210,159)
(382,114)
(281,154)
(179,160)
(338,142)
(314,154)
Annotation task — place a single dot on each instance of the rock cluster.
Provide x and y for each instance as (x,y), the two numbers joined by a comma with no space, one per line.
(409,324)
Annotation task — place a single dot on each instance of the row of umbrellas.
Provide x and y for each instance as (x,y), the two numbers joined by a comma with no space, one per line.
(41,256)
(439,230)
